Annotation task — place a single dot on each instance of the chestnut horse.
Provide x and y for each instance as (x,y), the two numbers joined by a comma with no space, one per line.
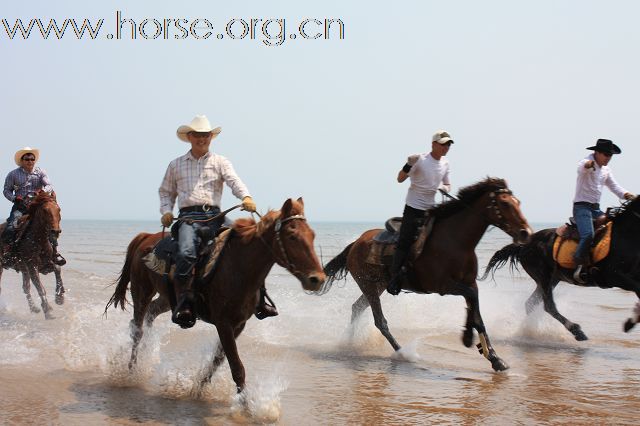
(447,263)
(621,268)
(228,297)
(33,252)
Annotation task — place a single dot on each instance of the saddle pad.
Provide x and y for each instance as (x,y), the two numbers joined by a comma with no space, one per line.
(383,245)
(220,242)
(563,249)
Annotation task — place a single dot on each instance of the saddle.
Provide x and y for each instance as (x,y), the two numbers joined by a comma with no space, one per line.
(567,238)
(384,243)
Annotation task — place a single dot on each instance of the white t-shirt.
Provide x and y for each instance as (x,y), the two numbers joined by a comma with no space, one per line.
(590,182)
(427,175)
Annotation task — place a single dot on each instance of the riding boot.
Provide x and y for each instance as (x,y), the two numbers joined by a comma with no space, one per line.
(56,257)
(266,307)
(184,314)
(397,271)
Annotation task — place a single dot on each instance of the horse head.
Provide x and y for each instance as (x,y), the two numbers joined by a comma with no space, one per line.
(45,211)
(503,211)
(290,240)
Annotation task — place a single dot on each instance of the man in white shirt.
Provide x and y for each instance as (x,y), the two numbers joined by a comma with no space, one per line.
(196,180)
(428,173)
(593,174)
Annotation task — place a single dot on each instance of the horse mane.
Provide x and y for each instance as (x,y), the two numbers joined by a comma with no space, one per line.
(41,198)
(248,229)
(626,210)
(467,196)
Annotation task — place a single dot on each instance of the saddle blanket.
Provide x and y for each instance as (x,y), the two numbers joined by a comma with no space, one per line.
(383,245)
(164,251)
(563,248)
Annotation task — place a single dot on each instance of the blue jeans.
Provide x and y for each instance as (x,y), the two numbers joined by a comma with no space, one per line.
(9,232)
(189,240)
(584,215)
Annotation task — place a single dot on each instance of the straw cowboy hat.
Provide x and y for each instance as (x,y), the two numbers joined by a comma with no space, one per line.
(200,123)
(26,150)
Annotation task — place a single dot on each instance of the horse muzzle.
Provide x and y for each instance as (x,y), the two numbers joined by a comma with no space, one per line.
(522,236)
(313,281)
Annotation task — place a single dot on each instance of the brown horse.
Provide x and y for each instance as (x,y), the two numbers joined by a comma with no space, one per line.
(228,297)
(447,263)
(33,253)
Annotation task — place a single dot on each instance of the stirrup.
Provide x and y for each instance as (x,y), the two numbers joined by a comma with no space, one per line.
(266,308)
(577,275)
(59,260)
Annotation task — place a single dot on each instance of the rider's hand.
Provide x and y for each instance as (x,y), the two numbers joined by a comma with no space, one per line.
(413,159)
(590,165)
(629,196)
(167,219)
(248,204)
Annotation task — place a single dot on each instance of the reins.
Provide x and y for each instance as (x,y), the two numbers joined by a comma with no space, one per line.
(189,221)
(277,228)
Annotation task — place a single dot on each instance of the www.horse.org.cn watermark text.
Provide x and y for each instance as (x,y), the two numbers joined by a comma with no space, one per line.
(270,31)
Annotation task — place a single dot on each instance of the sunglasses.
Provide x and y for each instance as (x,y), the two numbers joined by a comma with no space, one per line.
(200,134)
(29,159)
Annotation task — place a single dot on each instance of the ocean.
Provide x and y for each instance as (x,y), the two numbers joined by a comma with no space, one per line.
(309,365)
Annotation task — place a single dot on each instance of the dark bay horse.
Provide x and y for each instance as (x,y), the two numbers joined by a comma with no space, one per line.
(33,252)
(447,263)
(621,268)
(229,297)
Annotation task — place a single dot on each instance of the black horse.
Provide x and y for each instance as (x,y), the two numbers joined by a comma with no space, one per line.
(621,268)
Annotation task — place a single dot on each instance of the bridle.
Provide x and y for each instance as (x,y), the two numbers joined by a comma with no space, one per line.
(506,227)
(283,252)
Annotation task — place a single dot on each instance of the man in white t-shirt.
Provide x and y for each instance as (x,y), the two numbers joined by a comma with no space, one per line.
(428,173)
(593,174)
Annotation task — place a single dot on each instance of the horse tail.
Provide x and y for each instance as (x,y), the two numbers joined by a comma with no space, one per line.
(335,270)
(120,294)
(507,253)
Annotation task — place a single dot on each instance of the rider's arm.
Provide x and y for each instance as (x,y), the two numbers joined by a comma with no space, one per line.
(8,188)
(168,190)
(402,175)
(45,182)
(614,186)
(231,178)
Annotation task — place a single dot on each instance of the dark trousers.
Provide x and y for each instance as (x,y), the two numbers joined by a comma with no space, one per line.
(10,230)
(412,219)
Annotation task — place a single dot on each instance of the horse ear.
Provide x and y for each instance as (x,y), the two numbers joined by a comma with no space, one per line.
(286,207)
(301,201)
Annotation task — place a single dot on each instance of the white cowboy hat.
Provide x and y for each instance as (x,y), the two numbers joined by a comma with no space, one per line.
(200,123)
(26,150)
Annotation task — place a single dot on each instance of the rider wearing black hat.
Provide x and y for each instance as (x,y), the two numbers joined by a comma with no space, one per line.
(593,173)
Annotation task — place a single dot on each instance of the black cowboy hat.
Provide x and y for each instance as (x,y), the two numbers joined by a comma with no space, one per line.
(606,146)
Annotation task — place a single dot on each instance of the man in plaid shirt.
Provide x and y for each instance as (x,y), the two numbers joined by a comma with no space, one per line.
(196,181)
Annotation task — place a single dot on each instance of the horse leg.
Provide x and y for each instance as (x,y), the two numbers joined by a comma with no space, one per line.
(156,307)
(372,292)
(534,300)
(59,285)
(474,320)
(26,288)
(140,304)
(226,333)
(358,307)
(1,269)
(550,307)
(35,279)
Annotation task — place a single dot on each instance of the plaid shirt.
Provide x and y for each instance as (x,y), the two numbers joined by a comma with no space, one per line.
(195,182)
(19,182)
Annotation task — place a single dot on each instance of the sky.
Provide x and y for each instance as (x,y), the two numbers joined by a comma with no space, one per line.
(523,87)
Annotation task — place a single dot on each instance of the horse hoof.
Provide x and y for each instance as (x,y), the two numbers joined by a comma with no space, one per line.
(499,365)
(578,333)
(628,325)
(60,299)
(48,316)
(467,338)
(35,310)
